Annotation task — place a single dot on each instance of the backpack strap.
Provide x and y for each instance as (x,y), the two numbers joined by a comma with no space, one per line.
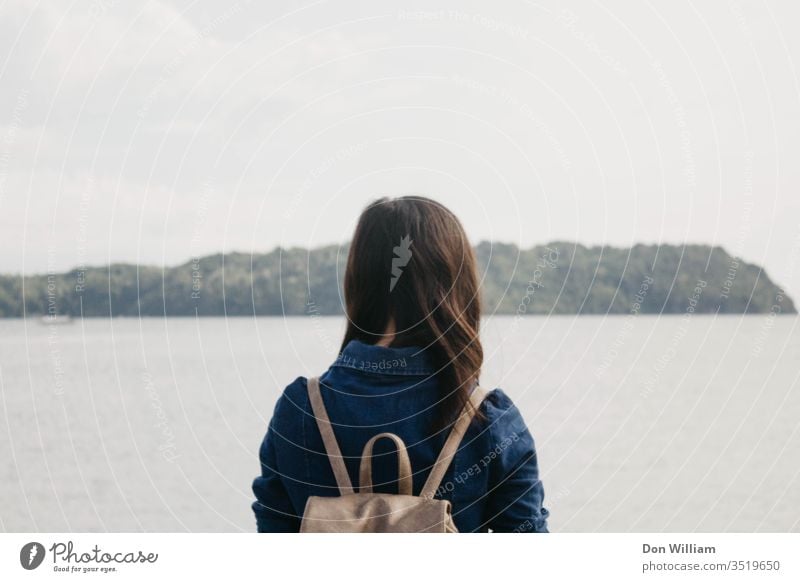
(450,447)
(328,438)
(404,482)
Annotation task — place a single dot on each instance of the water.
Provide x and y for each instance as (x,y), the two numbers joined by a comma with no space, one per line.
(643,424)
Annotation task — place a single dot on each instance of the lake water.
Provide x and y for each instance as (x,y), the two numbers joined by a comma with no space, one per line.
(642,424)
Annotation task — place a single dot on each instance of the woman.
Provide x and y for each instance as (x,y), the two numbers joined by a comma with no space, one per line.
(410,359)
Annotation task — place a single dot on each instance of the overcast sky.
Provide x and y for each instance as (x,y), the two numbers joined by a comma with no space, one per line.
(155,131)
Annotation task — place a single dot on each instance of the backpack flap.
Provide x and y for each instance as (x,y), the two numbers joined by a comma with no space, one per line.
(376,513)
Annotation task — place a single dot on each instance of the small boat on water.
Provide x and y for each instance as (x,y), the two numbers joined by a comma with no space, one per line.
(56,319)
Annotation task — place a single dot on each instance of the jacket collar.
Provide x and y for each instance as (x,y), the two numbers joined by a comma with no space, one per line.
(406,361)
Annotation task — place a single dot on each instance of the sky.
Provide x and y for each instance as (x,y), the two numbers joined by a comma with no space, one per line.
(153,132)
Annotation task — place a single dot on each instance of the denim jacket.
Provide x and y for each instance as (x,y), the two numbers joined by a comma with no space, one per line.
(493,482)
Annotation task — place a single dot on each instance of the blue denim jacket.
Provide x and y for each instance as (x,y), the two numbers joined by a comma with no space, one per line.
(493,482)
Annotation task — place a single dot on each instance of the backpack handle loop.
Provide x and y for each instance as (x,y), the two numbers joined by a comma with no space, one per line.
(403,465)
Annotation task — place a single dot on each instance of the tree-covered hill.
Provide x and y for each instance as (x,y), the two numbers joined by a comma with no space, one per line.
(560,278)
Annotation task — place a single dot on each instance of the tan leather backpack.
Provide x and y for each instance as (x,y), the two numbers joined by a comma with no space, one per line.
(366,511)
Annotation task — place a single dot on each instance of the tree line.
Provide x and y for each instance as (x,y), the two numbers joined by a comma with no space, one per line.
(557,278)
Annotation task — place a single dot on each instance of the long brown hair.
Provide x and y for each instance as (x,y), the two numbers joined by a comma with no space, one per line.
(410,262)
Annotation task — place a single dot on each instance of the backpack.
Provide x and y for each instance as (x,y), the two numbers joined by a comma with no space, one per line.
(366,511)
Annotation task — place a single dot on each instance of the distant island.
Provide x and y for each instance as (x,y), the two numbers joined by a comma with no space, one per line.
(557,278)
